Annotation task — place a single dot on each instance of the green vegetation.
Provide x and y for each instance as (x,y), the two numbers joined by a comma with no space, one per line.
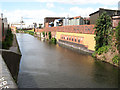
(103,34)
(49,35)
(103,49)
(46,33)
(29,32)
(116,59)
(17,31)
(54,40)
(8,40)
(43,34)
(118,37)
(103,30)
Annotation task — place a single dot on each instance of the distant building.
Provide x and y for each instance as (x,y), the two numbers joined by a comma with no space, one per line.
(94,16)
(50,20)
(78,20)
(119,5)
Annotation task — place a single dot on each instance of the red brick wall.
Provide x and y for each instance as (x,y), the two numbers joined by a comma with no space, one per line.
(85,29)
(0,29)
(116,20)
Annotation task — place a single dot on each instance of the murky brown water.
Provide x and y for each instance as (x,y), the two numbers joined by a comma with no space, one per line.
(46,65)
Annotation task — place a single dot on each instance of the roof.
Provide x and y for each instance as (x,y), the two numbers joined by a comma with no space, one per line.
(103,9)
(53,17)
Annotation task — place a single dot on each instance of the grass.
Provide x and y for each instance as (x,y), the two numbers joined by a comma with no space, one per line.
(31,30)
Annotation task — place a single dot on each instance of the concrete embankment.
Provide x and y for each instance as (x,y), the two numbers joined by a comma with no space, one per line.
(77,48)
(6,80)
(10,60)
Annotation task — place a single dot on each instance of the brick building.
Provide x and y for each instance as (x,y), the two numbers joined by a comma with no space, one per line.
(94,16)
(4,26)
(116,20)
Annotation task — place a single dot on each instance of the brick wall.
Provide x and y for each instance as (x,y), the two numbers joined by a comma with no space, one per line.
(0,29)
(116,20)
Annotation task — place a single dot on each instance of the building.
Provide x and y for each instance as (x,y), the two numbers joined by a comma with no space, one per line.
(48,20)
(0,29)
(78,20)
(116,20)
(119,5)
(94,16)
(4,26)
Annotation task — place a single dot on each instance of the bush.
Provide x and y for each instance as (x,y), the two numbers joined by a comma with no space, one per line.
(17,31)
(49,35)
(116,59)
(103,49)
(8,40)
(43,34)
(54,40)
(94,54)
(29,32)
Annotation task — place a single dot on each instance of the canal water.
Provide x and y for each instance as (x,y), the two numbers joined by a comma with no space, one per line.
(45,65)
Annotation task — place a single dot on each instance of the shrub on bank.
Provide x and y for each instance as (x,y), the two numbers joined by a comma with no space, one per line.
(43,34)
(8,40)
(29,32)
(49,35)
(101,50)
(54,40)
(17,31)
(116,59)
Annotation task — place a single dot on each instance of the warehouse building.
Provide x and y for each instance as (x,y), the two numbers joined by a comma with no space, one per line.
(94,16)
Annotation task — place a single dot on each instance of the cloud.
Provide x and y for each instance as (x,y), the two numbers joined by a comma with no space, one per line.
(29,16)
(105,2)
(50,5)
(84,12)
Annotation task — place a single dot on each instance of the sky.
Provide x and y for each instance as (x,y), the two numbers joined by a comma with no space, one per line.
(37,10)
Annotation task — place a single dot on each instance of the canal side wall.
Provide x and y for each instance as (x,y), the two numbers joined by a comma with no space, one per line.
(77,34)
(12,61)
(6,80)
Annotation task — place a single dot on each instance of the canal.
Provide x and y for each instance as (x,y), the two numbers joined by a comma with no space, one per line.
(45,65)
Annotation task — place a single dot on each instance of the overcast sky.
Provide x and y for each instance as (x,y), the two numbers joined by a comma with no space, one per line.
(36,10)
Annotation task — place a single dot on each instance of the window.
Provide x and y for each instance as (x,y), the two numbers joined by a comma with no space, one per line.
(69,38)
(72,39)
(79,40)
(75,39)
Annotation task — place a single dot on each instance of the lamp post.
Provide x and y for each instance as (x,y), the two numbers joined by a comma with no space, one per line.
(21,22)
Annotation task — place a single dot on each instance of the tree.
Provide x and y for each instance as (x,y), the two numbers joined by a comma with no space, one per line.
(118,36)
(103,26)
(40,25)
